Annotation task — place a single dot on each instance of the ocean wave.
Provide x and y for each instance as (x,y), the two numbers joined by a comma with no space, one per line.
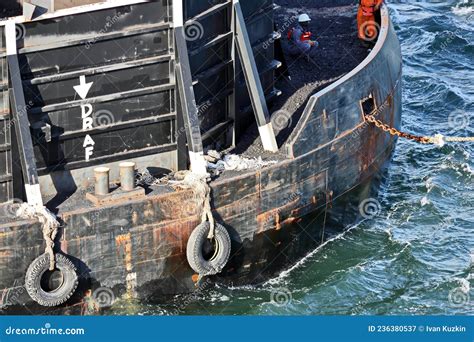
(463,8)
(309,256)
(448,40)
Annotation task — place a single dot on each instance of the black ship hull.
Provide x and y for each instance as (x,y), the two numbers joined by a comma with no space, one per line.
(275,215)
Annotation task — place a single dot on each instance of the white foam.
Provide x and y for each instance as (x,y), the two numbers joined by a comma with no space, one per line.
(463,8)
(466,168)
(424,201)
(429,184)
(465,286)
(300,263)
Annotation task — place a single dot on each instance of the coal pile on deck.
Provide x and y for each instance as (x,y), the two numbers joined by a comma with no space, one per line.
(334,26)
(9,8)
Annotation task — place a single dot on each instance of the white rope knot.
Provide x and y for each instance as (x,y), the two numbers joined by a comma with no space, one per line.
(438,140)
(49,223)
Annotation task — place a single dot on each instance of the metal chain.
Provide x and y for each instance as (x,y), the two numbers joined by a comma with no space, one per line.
(395,132)
(438,139)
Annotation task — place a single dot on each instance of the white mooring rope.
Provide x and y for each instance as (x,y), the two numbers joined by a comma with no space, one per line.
(50,226)
(202,194)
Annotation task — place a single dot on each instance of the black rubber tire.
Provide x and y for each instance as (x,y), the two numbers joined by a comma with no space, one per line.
(194,249)
(58,296)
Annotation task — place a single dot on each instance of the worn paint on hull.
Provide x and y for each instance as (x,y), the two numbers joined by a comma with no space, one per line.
(138,247)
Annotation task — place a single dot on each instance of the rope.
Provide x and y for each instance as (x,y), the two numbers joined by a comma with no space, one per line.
(202,195)
(199,183)
(438,139)
(50,226)
(145,178)
(459,139)
(232,162)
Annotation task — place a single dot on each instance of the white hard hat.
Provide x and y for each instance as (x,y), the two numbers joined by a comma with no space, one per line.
(303,18)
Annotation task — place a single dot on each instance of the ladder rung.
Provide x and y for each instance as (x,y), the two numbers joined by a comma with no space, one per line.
(6,178)
(5,147)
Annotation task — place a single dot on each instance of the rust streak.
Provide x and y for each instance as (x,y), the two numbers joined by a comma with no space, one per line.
(124,243)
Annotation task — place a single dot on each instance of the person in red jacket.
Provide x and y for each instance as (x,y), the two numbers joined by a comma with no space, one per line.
(368,27)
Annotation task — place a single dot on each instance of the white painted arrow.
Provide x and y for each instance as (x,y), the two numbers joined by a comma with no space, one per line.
(83,88)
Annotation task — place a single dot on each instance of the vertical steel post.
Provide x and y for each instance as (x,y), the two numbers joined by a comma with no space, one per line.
(101,175)
(20,117)
(232,130)
(252,80)
(186,92)
(127,176)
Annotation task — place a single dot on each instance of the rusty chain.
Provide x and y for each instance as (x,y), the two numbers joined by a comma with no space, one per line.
(395,132)
(438,139)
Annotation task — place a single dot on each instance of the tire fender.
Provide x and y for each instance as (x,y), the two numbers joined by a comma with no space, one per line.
(58,296)
(222,250)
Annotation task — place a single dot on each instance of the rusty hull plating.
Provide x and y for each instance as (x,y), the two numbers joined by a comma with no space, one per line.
(275,216)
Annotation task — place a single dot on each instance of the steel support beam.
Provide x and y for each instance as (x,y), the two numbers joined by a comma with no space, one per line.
(252,78)
(231,99)
(186,92)
(19,111)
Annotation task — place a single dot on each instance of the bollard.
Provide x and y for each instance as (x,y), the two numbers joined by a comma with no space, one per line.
(127,176)
(101,181)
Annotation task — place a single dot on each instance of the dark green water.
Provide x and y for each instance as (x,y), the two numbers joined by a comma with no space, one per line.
(414,257)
